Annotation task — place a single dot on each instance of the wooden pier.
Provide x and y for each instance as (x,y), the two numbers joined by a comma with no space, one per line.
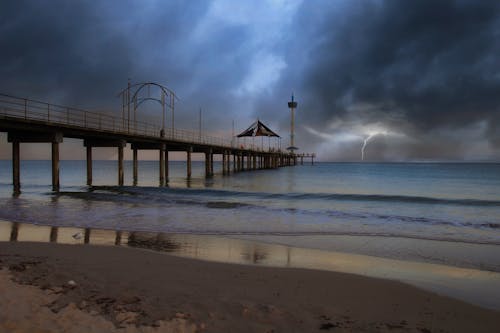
(301,157)
(28,121)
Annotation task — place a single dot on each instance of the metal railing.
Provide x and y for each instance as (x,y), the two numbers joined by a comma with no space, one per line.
(53,114)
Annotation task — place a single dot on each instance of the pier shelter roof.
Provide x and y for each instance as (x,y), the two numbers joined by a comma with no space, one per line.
(258,129)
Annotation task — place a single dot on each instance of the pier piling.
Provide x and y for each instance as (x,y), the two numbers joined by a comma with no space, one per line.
(162,167)
(55,166)
(120,166)
(16,172)
(166,165)
(89,166)
(188,161)
(135,166)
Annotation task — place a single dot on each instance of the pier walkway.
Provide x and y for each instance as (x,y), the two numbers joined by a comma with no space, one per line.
(28,121)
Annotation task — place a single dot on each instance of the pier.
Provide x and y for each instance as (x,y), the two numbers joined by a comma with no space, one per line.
(301,157)
(30,121)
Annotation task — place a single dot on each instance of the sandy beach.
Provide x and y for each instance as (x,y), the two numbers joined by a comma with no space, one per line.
(78,288)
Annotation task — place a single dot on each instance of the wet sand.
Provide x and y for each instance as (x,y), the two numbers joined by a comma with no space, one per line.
(134,290)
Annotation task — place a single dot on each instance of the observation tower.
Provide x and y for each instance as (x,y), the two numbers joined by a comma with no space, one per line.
(292,105)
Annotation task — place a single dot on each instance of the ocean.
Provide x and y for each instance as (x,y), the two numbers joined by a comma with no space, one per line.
(432,212)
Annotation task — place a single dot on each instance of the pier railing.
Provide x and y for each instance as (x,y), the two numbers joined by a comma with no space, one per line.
(53,114)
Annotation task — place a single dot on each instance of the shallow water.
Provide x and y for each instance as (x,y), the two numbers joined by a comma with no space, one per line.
(435,213)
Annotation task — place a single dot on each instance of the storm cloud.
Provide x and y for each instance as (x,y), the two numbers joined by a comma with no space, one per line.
(422,77)
(425,70)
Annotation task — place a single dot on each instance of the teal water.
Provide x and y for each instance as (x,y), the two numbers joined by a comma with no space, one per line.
(446,213)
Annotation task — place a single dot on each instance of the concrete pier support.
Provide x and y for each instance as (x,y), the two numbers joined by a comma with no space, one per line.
(234,163)
(16,172)
(55,166)
(89,166)
(224,161)
(254,161)
(120,166)
(162,167)
(135,166)
(207,164)
(166,166)
(211,163)
(249,161)
(189,151)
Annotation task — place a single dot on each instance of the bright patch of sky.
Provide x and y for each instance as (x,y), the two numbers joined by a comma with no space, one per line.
(266,23)
(264,72)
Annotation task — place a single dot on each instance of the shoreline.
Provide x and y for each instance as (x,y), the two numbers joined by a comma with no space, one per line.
(472,285)
(151,288)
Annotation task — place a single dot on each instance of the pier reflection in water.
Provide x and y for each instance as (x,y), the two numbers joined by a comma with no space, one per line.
(472,285)
(24,232)
(185,245)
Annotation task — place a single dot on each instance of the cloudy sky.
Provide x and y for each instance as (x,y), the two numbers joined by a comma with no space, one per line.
(406,80)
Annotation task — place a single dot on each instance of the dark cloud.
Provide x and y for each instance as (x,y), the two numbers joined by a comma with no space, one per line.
(425,70)
(415,66)
(82,52)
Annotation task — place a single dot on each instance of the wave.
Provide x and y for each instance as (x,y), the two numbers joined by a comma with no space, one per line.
(163,197)
(130,190)
(389,198)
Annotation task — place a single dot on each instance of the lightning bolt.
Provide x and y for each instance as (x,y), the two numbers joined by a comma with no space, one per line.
(365,142)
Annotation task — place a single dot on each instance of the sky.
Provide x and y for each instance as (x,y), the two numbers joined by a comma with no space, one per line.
(379,80)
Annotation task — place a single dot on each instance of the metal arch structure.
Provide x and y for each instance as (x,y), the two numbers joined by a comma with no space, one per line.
(132,96)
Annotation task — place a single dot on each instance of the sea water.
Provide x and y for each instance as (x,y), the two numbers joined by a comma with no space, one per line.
(442,213)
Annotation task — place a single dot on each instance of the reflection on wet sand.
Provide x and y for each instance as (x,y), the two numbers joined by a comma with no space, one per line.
(154,241)
(472,285)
